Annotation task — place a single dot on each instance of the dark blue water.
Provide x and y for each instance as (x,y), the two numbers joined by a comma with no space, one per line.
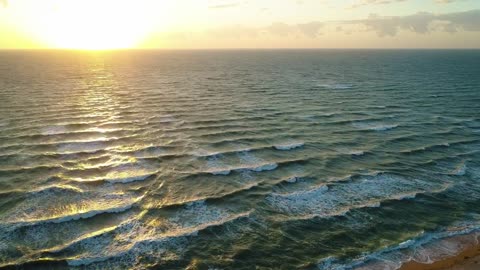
(286,159)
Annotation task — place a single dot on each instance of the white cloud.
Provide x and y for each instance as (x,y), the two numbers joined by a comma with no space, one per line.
(422,22)
(361,3)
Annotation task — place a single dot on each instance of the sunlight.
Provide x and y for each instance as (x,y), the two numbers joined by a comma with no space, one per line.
(96,25)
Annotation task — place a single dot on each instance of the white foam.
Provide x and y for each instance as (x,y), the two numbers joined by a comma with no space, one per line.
(373,205)
(424,248)
(383,127)
(248,163)
(289,146)
(374,126)
(265,167)
(351,152)
(306,194)
(292,180)
(341,197)
(357,153)
(139,237)
(216,166)
(336,86)
(224,172)
(247,159)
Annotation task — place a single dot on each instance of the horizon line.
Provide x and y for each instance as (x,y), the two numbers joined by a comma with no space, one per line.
(234,49)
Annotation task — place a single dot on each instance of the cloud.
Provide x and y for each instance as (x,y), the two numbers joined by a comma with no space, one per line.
(361,3)
(384,26)
(235,31)
(446,1)
(226,5)
(421,23)
(468,20)
(311,29)
(279,29)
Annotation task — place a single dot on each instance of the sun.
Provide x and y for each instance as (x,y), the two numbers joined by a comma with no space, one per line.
(96,24)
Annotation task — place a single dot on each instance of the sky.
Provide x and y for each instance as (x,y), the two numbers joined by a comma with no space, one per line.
(207,24)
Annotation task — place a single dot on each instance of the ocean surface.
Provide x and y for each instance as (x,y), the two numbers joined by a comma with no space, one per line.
(282,159)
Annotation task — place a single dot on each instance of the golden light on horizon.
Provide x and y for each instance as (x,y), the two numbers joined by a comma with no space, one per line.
(197,24)
(95,25)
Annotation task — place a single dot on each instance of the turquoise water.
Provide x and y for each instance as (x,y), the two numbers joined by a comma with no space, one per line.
(237,159)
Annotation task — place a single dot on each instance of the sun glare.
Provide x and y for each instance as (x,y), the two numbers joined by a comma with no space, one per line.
(95,25)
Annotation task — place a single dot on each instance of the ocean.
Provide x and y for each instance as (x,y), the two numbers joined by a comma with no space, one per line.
(237,159)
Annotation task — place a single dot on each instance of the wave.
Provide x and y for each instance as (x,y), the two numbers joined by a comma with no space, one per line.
(59,206)
(340,197)
(215,197)
(239,151)
(383,127)
(238,133)
(53,130)
(141,237)
(66,148)
(33,169)
(114,173)
(87,214)
(426,148)
(164,151)
(242,139)
(289,146)
(46,189)
(215,154)
(425,248)
(146,245)
(254,168)
(374,126)
(68,217)
(21,155)
(129,179)
(247,163)
(163,119)
(351,152)
(56,188)
(63,141)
